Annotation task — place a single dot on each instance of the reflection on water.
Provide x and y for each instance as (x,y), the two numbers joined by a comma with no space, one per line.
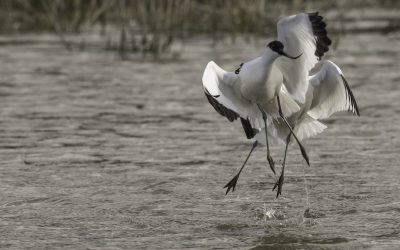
(288,241)
(98,152)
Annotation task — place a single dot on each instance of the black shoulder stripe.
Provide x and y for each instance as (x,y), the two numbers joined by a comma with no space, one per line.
(221,109)
(350,98)
(237,71)
(320,33)
(248,130)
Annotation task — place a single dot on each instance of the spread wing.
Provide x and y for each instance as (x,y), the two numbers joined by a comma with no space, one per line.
(222,91)
(308,127)
(331,93)
(303,34)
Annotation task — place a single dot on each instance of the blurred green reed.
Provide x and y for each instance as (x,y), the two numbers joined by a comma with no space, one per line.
(151,26)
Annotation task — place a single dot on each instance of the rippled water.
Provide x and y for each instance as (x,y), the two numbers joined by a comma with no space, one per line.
(101,153)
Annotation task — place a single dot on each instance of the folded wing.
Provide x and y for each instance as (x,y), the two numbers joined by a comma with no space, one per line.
(302,34)
(331,93)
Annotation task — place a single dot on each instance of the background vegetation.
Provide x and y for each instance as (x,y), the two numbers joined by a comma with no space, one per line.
(151,26)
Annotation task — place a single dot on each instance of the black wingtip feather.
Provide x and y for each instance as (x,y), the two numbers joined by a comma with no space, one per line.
(248,129)
(325,40)
(221,109)
(350,98)
(321,24)
(320,33)
(317,19)
(230,114)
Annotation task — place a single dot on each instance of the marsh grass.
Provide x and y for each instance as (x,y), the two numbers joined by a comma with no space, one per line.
(152,26)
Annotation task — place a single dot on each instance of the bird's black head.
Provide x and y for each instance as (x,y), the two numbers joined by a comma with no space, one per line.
(277,46)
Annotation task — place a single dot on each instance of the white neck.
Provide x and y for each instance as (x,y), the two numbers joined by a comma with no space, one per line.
(255,75)
(269,56)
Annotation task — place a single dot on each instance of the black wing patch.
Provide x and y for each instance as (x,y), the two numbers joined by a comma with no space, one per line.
(231,115)
(221,109)
(350,98)
(237,71)
(248,129)
(320,34)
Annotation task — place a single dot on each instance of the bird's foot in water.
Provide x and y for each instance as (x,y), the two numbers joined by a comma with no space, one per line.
(279,184)
(271,163)
(232,184)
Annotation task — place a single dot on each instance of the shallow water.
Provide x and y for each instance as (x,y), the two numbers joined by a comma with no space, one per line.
(97,152)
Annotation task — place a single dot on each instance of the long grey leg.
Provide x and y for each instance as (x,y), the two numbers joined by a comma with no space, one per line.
(302,149)
(269,157)
(232,183)
(287,145)
(279,183)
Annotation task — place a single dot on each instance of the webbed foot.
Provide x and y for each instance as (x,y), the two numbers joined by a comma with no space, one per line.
(232,184)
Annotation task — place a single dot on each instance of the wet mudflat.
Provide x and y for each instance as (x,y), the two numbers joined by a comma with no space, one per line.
(101,153)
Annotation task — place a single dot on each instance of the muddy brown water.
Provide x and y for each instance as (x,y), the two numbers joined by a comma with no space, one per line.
(99,153)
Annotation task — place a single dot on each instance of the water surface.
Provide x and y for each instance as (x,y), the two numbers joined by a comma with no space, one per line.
(99,153)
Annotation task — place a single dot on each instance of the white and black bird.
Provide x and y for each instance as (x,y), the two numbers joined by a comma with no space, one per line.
(328,93)
(272,86)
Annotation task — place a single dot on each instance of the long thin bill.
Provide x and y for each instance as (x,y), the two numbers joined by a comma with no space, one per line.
(291,57)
